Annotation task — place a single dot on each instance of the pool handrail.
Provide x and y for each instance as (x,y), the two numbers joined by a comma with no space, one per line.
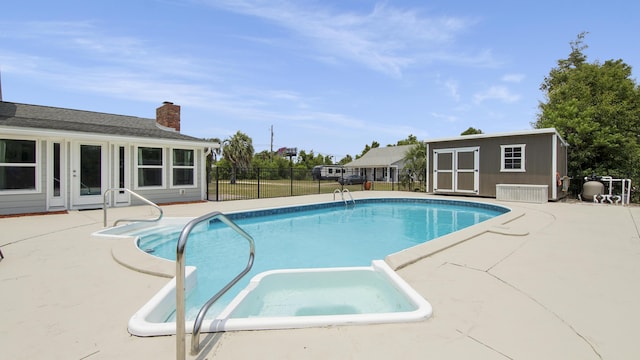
(180,282)
(145,200)
(342,192)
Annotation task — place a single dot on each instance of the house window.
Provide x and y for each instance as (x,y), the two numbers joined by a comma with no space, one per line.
(183,168)
(512,158)
(17,164)
(150,166)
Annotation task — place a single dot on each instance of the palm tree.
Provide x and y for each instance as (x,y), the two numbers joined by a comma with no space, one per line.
(415,164)
(238,150)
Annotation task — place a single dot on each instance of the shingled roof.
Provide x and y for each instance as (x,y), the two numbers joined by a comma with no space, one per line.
(52,118)
(381,157)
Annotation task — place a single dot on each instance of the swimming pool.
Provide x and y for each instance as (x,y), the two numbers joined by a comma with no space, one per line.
(328,235)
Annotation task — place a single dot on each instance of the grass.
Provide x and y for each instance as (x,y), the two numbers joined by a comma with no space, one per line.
(249,189)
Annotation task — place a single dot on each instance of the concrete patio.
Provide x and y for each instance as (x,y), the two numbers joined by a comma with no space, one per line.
(556,281)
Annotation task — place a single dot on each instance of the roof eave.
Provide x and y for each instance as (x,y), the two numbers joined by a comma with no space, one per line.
(13,130)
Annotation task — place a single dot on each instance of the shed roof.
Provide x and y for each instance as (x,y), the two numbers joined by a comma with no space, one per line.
(381,156)
(502,134)
(44,118)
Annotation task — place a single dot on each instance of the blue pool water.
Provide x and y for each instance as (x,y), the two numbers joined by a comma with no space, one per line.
(327,235)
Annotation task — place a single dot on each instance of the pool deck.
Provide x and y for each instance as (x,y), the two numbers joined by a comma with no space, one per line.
(556,281)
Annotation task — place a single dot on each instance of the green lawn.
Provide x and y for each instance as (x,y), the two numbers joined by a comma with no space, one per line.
(248,189)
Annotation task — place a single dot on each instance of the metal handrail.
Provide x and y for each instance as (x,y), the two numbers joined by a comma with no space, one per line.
(338,191)
(350,197)
(180,281)
(147,201)
(342,192)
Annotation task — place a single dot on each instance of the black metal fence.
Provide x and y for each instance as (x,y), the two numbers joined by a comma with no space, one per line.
(256,183)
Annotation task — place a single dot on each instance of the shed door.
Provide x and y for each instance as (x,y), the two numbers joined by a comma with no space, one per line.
(456,170)
(443,170)
(467,173)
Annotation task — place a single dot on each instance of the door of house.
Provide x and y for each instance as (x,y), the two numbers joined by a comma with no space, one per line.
(456,170)
(88,174)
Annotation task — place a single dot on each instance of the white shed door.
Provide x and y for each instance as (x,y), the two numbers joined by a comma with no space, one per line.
(456,170)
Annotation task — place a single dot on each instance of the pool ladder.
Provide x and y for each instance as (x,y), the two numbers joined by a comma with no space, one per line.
(145,200)
(180,282)
(342,192)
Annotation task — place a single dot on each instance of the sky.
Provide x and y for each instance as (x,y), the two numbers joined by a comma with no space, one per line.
(328,76)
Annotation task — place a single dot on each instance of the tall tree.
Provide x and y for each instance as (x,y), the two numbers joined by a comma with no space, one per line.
(596,108)
(238,150)
(215,153)
(410,140)
(374,144)
(471,131)
(415,166)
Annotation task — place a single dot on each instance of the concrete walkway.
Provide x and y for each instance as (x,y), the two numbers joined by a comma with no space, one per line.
(558,281)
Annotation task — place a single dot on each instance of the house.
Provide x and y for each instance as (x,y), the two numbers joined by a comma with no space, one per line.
(381,163)
(54,159)
(520,166)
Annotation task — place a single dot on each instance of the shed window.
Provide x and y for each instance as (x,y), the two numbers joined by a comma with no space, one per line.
(150,166)
(17,164)
(512,158)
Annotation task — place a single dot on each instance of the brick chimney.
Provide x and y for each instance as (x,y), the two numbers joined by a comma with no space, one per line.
(168,115)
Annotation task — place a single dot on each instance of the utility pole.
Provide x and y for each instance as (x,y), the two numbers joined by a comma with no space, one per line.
(271,148)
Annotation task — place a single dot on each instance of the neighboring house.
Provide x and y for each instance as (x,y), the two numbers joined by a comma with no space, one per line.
(54,159)
(520,166)
(381,163)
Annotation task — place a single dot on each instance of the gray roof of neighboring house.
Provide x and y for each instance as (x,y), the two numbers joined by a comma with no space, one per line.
(52,118)
(381,157)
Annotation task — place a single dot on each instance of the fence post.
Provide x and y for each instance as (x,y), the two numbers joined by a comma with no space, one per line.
(258,176)
(291,177)
(217,185)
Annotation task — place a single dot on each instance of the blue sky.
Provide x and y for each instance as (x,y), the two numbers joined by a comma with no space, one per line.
(330,76)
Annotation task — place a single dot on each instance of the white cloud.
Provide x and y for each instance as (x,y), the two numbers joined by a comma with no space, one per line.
(444,117)
(514,78)
(452,87)
(386,39)
(500,93)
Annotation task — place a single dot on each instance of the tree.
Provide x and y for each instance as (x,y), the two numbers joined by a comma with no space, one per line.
(374,144)
(238,150)
(410,140)
(345,160)
(596,108)
(215,153)
(415,166)
(471,131)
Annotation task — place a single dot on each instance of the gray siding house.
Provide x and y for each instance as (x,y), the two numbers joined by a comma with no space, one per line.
(520,166)
(54,159)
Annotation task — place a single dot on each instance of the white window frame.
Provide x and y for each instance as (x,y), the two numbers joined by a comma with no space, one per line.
(36,165)
(522,158)
(192,167)
(163,167)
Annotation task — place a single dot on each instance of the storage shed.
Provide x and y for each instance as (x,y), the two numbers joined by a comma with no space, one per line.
(528,166)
